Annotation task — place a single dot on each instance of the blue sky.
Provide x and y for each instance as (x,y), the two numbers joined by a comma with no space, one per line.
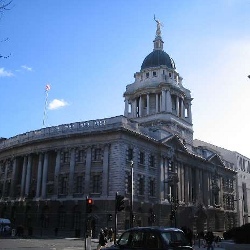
(89,50)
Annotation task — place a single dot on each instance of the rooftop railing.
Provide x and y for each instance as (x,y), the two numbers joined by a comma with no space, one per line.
(71,128)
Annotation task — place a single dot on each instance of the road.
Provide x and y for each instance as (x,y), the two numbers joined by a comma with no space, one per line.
(53,244)
(46,244)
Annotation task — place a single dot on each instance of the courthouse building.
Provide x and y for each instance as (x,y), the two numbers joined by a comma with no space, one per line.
(46,174)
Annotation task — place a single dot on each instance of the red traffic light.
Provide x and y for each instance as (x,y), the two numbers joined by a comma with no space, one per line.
(90,201)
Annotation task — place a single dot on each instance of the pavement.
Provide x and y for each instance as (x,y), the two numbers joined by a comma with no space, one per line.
(205,248)
(202,247)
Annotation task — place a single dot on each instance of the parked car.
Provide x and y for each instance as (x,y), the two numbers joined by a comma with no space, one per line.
(5,227)
(152,238)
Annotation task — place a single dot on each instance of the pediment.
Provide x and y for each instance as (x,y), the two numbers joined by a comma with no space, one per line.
(175,142)
(216,160)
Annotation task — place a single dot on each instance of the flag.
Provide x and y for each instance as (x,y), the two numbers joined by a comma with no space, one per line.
(47,87)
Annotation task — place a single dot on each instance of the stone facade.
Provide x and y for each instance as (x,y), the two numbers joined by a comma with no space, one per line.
(241,164)
(47,174)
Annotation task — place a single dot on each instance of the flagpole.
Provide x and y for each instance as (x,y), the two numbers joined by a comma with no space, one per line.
(47,88)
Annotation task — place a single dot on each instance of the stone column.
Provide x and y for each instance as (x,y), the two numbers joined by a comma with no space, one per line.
(71,171)
(169,102)
(57,171)
(134,108)
(220,192)
(205,188)
(189,113)
(13,178)
(23,176)
(156,103)
(39,175)
(186,184)
(163,93)
(126,108)
(162,187)
(182,109)
(177,105)
(160,102)
(178,184)
(190,184)
(5,178)
(45,175)
(87,172)
(105,172)
(28,175)
(140,107)
(148,104)
(181,182)
(209,190)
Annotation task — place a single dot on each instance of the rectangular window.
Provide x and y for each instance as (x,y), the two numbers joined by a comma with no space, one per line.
(152,161)
(79,185)
(130,154)
(152,188)
(147,75)
(97,154)
(141,187)
(141,158)
(154,74)
(80,156)
(64,185)
(96,184)
(65,157)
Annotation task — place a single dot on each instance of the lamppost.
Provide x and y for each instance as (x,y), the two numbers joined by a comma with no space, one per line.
(132,195)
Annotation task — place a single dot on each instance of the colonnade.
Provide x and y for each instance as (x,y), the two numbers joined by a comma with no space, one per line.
(163,103)
(37,167)
(194,184)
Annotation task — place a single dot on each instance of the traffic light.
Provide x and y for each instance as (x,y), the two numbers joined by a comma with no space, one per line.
(89,204)
(172,215)
(153,218)
(133,218)
(110,217)
(120,202)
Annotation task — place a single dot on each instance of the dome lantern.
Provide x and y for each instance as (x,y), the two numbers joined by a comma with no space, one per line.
(158,57)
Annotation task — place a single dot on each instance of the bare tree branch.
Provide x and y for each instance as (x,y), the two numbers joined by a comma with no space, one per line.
(3,7)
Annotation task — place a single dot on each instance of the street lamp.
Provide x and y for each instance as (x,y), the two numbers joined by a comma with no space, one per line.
(132,195)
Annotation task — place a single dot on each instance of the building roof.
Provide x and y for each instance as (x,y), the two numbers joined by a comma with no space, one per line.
(158,58)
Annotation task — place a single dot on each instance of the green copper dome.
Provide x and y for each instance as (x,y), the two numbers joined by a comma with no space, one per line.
(158,58)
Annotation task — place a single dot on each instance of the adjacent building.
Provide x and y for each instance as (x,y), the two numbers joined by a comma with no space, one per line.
(147,155)
(241,164)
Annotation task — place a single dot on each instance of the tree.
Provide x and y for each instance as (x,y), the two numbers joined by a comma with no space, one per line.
(4,5)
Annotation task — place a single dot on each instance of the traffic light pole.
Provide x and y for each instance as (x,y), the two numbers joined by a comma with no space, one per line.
(119,206)
(86,217)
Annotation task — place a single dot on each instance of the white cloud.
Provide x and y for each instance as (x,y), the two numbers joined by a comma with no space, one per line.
(26,68)
(5,73)
(56,104)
